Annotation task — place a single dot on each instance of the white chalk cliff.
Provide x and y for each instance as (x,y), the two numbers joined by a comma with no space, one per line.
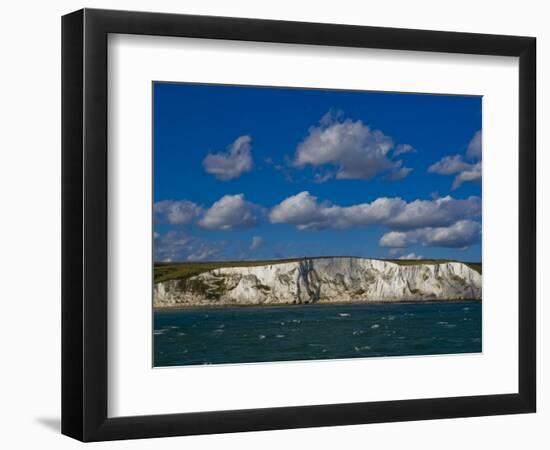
(321,280)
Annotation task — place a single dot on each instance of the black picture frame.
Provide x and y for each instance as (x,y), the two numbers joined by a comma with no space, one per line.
(84,224)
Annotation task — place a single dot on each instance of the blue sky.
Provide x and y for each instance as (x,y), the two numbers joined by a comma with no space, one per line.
(255,173)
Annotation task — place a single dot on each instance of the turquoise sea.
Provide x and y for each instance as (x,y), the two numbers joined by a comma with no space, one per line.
(309,332)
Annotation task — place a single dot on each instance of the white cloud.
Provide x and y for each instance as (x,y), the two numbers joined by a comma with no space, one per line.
(399,172)
(305,212)
(171,245)
(395,239)
(301,210)
(231,212)
(474,147)
(233,163)
(179,246)
(410,256)
(434,213)
(322,177)
(257,241)
(449,165)
(472,173)
(459,235)
(176,212)
(357,151)
(403,148)
(456,165)
(464,170)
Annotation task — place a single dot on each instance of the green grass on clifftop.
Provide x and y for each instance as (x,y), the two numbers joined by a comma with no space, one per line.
(173,271)
(184,270)
(411,262)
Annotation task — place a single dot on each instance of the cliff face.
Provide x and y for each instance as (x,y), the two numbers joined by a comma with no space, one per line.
(323,280)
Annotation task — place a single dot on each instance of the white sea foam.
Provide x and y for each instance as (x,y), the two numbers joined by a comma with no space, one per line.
(364,347)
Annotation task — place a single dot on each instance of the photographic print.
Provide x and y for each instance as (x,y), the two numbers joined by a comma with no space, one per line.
(298,224)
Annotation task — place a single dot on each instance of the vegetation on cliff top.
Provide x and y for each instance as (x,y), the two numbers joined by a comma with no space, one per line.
(184,270)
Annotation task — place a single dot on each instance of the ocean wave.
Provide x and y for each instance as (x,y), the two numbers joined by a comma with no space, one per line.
(364,347)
